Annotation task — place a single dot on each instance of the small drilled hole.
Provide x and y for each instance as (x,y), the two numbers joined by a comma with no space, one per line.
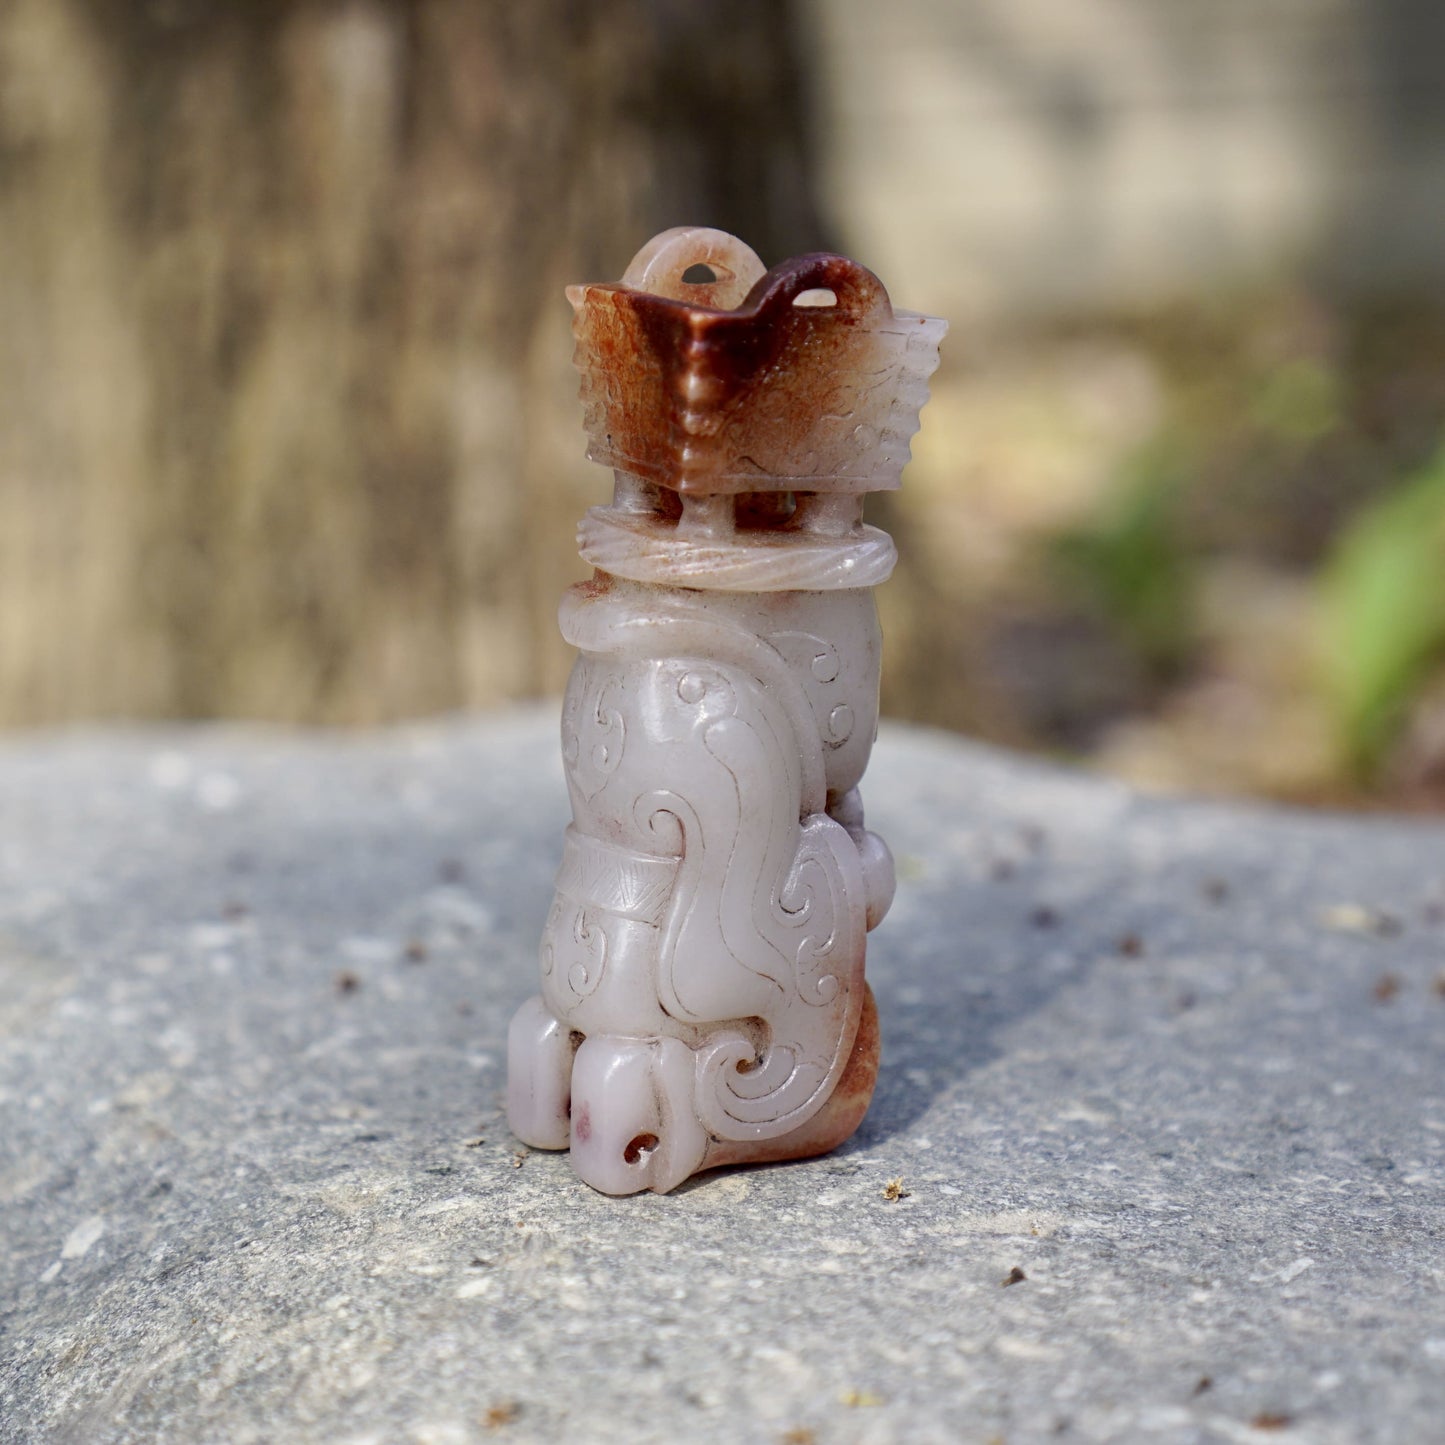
(700,274)
(817,296)
(640,1148)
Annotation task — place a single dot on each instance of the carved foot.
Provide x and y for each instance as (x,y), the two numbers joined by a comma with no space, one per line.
(627,1110)
(539,1076)
(634,1125)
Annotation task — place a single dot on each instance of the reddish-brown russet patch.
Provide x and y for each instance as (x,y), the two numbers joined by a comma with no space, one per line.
(764,397)
(836,1120)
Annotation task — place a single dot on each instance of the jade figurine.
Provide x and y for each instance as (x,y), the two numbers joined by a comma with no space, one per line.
(702,996)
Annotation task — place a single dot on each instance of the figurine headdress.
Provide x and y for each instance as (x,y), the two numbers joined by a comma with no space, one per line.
(765,403)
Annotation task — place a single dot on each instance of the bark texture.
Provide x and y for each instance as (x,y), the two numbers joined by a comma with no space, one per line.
(287,421)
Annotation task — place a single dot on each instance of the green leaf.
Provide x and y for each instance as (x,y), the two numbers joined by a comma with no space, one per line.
(1131,561)
(1300,401)
(1384,612)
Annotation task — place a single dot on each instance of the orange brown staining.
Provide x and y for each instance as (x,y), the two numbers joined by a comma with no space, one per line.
(837,1120)
(770,396)
(599,584)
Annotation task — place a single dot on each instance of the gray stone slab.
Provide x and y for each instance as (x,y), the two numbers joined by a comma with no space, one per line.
(1179,1065)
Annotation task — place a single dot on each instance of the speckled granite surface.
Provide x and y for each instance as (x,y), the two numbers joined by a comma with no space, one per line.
(1180,1067)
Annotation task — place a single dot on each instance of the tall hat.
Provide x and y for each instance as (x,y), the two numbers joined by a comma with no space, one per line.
(800,383)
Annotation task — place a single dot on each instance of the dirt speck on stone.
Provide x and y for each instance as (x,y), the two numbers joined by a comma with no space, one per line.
(1272,1420)
(1356,918)
(1387,986)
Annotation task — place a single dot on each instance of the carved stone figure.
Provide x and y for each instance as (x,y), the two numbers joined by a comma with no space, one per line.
(702,993)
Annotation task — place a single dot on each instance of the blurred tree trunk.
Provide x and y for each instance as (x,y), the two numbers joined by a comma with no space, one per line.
(287,420)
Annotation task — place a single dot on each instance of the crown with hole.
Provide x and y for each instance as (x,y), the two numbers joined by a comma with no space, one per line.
(702,373)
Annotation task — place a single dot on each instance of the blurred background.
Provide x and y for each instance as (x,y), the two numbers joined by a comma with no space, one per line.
(288,428)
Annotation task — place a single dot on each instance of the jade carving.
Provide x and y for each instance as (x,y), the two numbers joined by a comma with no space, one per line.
(702,996)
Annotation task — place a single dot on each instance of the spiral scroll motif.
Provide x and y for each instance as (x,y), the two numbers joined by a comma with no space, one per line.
(594,730)
(724,777)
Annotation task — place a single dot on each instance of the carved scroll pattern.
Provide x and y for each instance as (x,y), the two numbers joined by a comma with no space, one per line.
(816,659)
(765,917)
(594,730)
(579,936)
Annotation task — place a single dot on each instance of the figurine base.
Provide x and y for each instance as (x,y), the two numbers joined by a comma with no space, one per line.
(622,1106)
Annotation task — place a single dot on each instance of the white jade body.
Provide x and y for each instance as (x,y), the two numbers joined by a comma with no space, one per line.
(716,881)
(702,967)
